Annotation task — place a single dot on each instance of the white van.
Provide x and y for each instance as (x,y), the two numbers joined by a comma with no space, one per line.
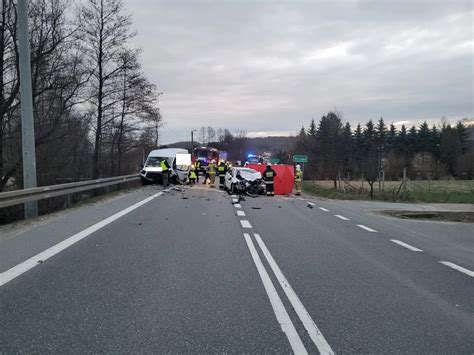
(150,172)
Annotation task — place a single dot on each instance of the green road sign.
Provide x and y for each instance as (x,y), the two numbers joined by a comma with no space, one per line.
(300,158)
(275,160)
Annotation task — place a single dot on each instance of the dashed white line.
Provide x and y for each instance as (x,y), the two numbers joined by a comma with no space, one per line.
(240,213)
(311,204)
(234,200)
(366,228)
(341,217)
(245,223)
(313,331)
(458,268)
(237,205)
(405,245)
(30,263)
(278,308)
(323,209)
(234,196)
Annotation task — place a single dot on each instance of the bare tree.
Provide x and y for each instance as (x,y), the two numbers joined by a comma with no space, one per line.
(104,31)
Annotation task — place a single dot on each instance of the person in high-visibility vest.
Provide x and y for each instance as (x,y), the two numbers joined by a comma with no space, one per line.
(298,179)
(197,167)
(165,172)
(211,171)
(269,179)
(222,170)
(192,176)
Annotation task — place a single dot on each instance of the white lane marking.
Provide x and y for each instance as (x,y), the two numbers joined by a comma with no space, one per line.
(312,204)
(234,200)
(405,245)
(323,209)
(245,223)
(240,213)
(312,329)
(278,308)
(341,217)
(234,196)
(458,268)
(30,263)
(366,228)
(238,205)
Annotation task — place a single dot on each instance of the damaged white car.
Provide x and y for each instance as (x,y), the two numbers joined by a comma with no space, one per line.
(244,180)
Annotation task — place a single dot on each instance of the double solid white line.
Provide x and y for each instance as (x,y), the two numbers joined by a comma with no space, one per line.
(279,309)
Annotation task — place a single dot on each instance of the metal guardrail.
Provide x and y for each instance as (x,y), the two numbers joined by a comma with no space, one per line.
(17,197)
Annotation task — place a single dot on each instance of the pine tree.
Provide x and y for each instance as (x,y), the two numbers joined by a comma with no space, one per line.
(392,139)
(370,137)
(312,129)
(370,162)
(463,135)
(423,139)
(435,141)
(347,148)
(412,141)
(329,145)
(450,147)
(359,146)
(301,145)
(402,142)
(381,133)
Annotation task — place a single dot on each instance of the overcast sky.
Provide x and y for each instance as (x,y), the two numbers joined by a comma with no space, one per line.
(268,67)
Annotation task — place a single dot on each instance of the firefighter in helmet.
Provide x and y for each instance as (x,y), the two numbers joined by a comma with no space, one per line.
(269,179)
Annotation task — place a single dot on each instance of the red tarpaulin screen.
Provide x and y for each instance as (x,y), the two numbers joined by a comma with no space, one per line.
(284,180)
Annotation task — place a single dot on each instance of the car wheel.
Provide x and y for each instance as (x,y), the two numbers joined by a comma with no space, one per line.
(144,181)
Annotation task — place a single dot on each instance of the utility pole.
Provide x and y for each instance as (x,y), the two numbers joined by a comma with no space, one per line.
(27,122)
(192,141)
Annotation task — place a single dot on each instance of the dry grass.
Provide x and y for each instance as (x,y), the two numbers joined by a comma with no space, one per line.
(453,191)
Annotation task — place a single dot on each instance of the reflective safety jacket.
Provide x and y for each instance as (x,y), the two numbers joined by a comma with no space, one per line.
(192,174)
(269,176)
(299,176)
(211,169)
(222,169)
(164,166)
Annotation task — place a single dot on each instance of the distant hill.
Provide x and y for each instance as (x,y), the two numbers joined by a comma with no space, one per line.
(259,145)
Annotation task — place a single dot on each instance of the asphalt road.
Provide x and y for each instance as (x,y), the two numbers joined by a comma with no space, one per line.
(196,271)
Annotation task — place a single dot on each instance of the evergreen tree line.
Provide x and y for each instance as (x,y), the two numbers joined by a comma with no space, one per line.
(336,150)
(93,104)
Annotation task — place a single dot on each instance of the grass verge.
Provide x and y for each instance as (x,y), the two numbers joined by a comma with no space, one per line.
(448,193)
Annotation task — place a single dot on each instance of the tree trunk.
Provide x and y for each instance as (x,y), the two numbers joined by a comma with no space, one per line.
(100,94)
(2,101)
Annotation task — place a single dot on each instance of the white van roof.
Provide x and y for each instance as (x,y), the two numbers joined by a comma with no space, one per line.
(168,152)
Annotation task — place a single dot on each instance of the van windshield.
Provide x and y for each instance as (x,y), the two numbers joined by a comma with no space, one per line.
(155,161)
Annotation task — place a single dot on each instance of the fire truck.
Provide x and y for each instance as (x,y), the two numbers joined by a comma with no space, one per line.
(205,155)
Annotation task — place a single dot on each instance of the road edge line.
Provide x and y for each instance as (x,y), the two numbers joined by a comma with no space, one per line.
(35,260)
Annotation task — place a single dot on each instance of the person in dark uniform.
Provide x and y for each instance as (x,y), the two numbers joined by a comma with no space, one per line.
(222,170)
(269,179)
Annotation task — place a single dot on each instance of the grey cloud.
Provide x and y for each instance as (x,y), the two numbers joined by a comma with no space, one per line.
(271,66)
